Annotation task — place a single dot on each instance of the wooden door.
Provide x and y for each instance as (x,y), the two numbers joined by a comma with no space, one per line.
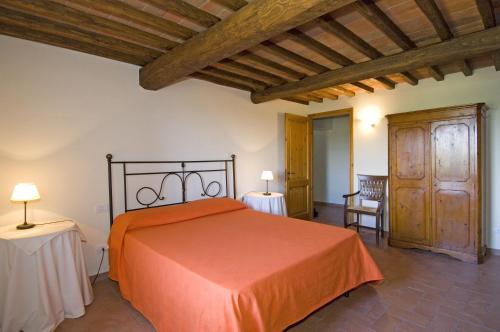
(454,178)
(409,182)
(297,166)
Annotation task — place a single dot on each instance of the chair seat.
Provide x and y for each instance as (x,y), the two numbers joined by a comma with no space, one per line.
(362,209)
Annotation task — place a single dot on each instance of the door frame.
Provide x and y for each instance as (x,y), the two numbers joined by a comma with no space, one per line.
(324,115)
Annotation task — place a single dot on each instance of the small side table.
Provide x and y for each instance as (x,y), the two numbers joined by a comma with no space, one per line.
(274,203)
(43,278)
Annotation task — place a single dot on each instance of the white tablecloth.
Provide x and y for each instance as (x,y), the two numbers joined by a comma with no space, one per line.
(43,278)
(274,203)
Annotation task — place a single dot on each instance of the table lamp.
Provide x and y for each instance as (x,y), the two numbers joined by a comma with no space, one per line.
(25,192)
(268,176)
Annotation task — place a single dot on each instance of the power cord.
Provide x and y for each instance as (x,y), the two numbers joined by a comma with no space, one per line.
(99,269)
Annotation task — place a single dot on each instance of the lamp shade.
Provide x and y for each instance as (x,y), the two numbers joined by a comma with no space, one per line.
(24,192)
(267,175)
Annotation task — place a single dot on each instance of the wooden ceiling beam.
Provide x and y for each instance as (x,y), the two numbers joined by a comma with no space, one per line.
(126,12)
(465,68)
(434,15)
(409,78)
(336,29)
(436,73)
(485,8)
(377,17)
(14,18)
(41,37)
(262,19)
(283,71)
(303,39)
(234,85)
(387,83)
(487,12)
(221,81)
(234,5)
(298,100)
(362,86)
(65,15)
(342,91)
(326,93)
(333,27)
(294,57)
(237,78)
(249,70)
(312,96)
(184,9)
(436,18)
(462,47)
(325,51)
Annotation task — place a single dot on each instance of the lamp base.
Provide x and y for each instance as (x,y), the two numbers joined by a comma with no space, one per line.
(25,226)
(266,194)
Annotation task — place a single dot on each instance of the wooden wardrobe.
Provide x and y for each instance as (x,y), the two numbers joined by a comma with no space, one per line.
(435,180)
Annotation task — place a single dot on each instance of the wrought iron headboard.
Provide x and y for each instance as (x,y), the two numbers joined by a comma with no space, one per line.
(183,176)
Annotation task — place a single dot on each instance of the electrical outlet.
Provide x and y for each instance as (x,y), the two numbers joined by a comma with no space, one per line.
(102,247)
(101,208)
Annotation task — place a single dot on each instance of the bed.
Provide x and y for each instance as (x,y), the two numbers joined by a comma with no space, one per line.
(215,265)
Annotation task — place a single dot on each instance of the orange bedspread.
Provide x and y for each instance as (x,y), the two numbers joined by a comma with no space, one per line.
(213,265)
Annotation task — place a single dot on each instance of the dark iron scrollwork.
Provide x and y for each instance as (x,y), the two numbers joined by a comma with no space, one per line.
(206,190)
(157,195)
(183,177)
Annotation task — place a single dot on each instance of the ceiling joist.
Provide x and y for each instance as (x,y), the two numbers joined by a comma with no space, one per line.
(37,36)
(461,47)
(434,15)
(184,9)
(487,12)
(10,17)
(126,12)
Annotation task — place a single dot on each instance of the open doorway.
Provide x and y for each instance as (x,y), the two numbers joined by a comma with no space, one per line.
(331,160)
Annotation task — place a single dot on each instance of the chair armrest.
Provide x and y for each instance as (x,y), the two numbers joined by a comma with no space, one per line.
(350,195)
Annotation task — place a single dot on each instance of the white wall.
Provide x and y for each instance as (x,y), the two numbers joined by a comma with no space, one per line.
(370,144)
(62,111)
(331,159)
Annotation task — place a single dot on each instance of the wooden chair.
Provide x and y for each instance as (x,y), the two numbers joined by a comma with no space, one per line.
(371,188)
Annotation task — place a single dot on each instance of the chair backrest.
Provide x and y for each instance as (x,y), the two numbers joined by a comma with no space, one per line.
(371,187)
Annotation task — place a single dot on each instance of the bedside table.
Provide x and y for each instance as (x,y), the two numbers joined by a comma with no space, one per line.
(43,278)
(274,203)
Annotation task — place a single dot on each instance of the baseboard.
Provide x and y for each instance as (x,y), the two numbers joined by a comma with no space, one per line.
(493,252)
(328,204)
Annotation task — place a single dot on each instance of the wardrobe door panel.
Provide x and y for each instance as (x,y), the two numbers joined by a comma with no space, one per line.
(454,198)
(409,182)
(452,146)
(410,213)
(410,152)
(452,219)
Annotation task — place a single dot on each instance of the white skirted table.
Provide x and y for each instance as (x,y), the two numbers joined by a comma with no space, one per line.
(274,203)
(43,278)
